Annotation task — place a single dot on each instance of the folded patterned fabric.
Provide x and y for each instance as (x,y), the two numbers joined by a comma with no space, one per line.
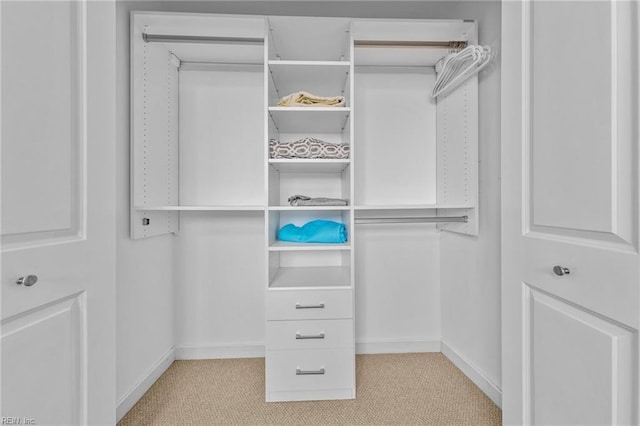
(303,200)
(316,231)
(308,148)
(306,99)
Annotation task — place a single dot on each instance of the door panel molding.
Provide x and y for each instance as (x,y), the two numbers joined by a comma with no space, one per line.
(616,228)
(604,240)
(617,342)
(63,356)
(70,222)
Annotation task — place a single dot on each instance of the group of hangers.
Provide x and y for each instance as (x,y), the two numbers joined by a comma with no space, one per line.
(456,67)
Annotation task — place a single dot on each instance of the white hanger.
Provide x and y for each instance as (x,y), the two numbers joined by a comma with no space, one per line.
(447,67)
(478,64)
(457,67)
(453,62)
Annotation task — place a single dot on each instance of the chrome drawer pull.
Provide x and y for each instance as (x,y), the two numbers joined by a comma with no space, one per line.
(561,270)
(320,306)
(27,281)
(308,372)
(309,336)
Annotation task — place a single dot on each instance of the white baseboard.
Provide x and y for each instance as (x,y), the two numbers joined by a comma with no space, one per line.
(248,350)
(487,386)
(256,350)
(396,346)
(127,402)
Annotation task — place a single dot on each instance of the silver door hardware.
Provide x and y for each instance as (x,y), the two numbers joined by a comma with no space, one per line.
(27,281)
(320,306)
(309,336)
(561,270)
(308,372)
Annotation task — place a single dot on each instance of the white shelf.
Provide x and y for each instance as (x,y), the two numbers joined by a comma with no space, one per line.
(308,208)
(311,276)
(200,208)
(322,78)
(309,38)
(310,109)
(290,246)
(310,119)
(304,65)
(309,165)
(412,207)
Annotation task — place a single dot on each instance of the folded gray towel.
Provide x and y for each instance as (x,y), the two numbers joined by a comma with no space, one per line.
(308,148)
(303,200)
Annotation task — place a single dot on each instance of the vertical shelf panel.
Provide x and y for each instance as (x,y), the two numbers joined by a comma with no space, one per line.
(155,96)
(457,153)
(154,145)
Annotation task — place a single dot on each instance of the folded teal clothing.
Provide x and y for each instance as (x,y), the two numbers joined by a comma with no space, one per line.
(316,231)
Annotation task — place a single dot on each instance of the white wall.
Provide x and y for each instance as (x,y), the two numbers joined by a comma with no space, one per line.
(220,293)
(144,290)
(469,267)
(397,288)
(219,257)
(397,266)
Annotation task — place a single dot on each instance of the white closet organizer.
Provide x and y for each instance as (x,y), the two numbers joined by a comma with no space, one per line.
(205,92)
(196,84)
(310,347)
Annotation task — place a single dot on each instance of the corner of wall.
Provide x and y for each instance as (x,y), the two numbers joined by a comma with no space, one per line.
(144,281)
(470,267)
(486,385)
(131,397)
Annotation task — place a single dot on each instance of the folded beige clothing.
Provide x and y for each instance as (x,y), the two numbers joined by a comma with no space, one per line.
(305,99)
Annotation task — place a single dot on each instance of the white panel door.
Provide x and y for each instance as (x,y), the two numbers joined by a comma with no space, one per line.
(571,271)
(58,109)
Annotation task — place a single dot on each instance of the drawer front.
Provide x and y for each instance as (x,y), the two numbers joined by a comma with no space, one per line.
(300,370)
(309,334)
(309,304)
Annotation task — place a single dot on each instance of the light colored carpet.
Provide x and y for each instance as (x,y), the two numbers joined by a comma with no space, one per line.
(392,389)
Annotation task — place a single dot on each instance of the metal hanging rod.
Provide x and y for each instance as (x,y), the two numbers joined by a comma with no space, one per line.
(166,38)
(437,219)
(399,43)
(187,66)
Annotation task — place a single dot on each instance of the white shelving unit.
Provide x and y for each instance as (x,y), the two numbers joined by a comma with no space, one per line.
(311,277)
(316,275)
(317,77)
(309,208)
(309,166)
(309,119)
(203,116)
(292,246)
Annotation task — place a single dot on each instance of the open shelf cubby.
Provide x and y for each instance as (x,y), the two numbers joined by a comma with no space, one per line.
(288,277)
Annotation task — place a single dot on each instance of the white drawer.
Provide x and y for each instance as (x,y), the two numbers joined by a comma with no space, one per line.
(309,304)
(305,370)
(309,334)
